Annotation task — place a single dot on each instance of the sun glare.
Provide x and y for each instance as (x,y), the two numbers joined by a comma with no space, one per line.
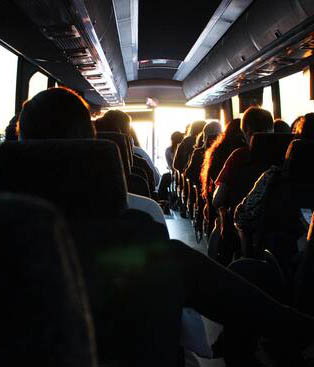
(167,121)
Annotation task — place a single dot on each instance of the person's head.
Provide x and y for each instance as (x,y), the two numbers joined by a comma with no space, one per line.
(305,128)
(118,120)
(197,127)
(256,120)
(56,113)
(233,128)
(210,131)
(281,127)
(10,131)
(176,139)
(104,124)
(295,124)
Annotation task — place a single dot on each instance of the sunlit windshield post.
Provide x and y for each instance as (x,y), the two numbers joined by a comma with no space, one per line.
(8,67)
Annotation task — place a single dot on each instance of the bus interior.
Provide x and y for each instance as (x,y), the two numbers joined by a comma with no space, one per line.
(75,224)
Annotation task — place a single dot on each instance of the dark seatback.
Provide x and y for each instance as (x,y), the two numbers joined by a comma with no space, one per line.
(298,165)
(265,275)
(269,149)
(303,285)
(82,177)
(142,164)
(265,150)
(138,185)
(46,319)
(122,141)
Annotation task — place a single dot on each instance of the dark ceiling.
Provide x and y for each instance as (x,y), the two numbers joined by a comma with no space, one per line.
(169,28)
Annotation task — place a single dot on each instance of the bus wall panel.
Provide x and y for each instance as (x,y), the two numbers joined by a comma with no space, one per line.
(257,31)
(102,14)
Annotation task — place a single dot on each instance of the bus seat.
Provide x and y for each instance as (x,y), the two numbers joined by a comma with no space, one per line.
(303,285)
(269,149)
(138,185)
(261,159)
(264,274)
(121,141)
(84,178)
(139,162)
(298,165)
(135,184)
(46,319)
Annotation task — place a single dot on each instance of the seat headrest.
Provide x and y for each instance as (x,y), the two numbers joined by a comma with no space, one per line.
(47,319)
(298,160)
(81,177)
(124,144)
(269,149)
(298,165)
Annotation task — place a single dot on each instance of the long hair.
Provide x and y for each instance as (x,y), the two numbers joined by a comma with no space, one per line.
(305,127)
(221,143)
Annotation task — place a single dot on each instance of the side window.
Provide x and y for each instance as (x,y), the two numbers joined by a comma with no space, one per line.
(37,83)
(236,107)
(295,96)
(8,67)
(268,100)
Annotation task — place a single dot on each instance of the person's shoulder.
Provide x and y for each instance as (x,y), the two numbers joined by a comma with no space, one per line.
(241,152)
(138,150)
(239,156)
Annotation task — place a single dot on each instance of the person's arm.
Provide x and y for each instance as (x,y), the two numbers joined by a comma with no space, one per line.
(177,160)
(226,178)
(220,197)
(169,158)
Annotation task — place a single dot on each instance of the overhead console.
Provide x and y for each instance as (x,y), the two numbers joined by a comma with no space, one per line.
(271,38)
(75,41)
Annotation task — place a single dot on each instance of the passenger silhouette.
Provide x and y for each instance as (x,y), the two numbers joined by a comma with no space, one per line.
(294,125)
(281,126)
(56,113)
(185,149)
(305,128)
(176,139)
(166,178)
(232,182)
(209,134)
(214,159)
(11,130)
(121,122)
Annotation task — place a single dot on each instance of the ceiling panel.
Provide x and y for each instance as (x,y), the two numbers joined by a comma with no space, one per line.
(169,28)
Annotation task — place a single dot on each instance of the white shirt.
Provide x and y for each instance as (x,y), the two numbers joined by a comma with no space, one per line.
(141,152)
(146,205)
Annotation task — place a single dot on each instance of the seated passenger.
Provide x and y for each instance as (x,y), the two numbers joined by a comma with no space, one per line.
(280,228)
(185,149)
(56,113)
(10,131)
(166,178)
(305,128)
(232,184)
(120,121)
(215,156)
(294,125)
(193,170)
(60,113)
(281,127)
(176,139)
